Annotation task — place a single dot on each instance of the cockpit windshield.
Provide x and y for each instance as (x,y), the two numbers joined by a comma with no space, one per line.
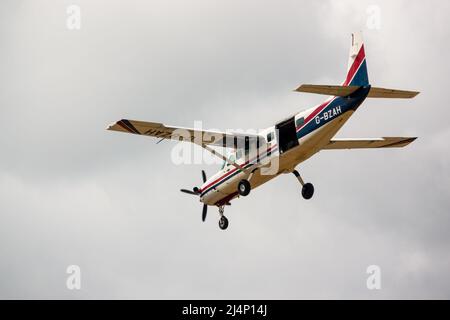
(235,156)
(243,154)
(231,158)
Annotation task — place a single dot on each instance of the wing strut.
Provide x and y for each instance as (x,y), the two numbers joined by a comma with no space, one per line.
(221,156)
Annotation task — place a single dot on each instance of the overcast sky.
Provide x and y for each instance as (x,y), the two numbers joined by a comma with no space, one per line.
(72,193)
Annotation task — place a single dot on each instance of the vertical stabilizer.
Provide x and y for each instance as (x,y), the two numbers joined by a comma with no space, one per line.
(357,67)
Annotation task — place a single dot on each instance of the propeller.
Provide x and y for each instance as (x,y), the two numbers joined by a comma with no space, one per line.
(204,176)
(189,192)
(204,212)
(196,192)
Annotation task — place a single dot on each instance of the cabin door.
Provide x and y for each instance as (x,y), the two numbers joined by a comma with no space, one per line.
(287,135)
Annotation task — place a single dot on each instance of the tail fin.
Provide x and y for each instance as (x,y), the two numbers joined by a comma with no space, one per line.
(357,67)
(356,78)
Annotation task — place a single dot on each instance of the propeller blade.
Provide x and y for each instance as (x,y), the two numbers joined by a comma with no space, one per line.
(204,176)
(189,192)
(205,210)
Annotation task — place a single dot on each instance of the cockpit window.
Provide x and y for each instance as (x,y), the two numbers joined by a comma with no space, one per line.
(232,158)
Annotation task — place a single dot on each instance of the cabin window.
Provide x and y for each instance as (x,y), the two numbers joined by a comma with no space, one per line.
(300,122)
(269,136)
(238,154)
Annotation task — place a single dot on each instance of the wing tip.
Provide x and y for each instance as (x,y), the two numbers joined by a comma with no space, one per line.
(412,94)
(411,140)
(112,126)
(123,125)
(400,143)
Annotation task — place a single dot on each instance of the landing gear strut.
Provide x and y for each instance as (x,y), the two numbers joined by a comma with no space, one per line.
(307,188)
(223,221)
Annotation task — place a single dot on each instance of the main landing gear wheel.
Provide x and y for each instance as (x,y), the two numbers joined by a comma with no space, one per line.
(223,223)
(307,191)
(244,187)
(307,188)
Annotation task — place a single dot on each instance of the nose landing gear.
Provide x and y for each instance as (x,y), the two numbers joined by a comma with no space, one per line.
(223,221)
(307,188)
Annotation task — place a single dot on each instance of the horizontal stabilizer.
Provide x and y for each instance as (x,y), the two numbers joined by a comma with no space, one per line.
(391,93)
(343,91)
(364,143)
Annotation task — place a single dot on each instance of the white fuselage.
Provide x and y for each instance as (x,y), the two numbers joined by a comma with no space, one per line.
(324,122)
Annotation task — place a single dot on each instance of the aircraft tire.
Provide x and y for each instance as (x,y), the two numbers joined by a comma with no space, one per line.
(223,223)
(244,187)
(307,191)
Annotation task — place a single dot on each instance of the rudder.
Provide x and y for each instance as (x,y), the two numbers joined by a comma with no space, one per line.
(357,66)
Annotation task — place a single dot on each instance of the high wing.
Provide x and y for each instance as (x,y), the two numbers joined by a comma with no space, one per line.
(386,142)
(200,137)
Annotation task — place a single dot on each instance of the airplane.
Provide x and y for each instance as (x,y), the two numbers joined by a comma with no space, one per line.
(258,158)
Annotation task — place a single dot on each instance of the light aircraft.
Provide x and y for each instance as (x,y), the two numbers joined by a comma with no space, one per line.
(286,144)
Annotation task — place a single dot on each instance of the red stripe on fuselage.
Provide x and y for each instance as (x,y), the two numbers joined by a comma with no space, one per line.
(231,171)
(318,109)
(315,112)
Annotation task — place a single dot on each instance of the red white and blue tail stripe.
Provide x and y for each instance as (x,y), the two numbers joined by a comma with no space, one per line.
(357,67)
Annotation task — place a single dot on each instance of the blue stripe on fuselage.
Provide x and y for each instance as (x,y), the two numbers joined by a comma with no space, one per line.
(337,107)
(351,102)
